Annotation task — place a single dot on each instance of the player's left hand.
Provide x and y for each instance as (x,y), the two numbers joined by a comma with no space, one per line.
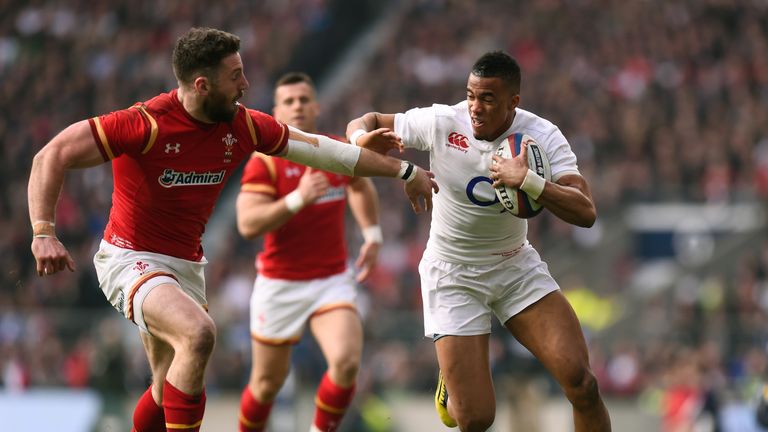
(510,172)
(366,260)
(381,141)
(421,189)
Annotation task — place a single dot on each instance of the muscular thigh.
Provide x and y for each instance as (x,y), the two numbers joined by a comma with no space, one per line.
(550,329)
(171,314)
(272,361)
(464,363)
(128,277)
(339,333)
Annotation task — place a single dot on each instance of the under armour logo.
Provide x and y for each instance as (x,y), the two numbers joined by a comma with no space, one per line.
(176,147)
(292,172)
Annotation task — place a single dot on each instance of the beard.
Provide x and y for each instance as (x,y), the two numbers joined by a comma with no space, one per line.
(218,108)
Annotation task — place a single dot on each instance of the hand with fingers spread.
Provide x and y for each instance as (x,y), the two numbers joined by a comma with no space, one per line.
(420,189)
(380,140)
(510,172)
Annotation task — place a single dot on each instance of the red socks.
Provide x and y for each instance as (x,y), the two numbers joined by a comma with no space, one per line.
(183,412)
(253,414)
(331,402)
(148,416)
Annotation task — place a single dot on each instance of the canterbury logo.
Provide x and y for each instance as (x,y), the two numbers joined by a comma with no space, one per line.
(458,141)
(176,147)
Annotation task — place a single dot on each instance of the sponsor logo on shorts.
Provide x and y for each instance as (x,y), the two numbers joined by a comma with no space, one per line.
(121,302)
(171,178)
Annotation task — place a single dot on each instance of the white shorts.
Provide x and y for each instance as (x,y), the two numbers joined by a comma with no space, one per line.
(458,298)
(281,308)
(126,277)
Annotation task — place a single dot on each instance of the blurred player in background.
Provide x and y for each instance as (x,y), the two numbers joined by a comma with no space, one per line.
(171,157)
(478,260)
(303,275)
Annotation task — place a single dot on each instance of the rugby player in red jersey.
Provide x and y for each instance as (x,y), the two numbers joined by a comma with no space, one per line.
(171,156)
(303,275)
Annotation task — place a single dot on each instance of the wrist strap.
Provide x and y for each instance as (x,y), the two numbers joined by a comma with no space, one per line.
(533,184)
(355,135)
(294,201)
(372,234)
(407,171)
(43,229)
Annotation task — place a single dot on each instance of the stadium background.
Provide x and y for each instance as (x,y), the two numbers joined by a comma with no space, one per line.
(664,102)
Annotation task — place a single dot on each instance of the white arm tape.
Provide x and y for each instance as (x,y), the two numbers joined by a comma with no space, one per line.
(294,201)
(533,185)
(321,152)
(372,234)
(355,135)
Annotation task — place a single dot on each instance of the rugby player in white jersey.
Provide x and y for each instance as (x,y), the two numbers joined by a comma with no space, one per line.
(478,261)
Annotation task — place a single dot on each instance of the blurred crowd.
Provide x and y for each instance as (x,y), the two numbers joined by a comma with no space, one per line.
(662,101)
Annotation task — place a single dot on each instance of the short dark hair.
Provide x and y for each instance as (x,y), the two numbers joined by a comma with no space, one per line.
(294,78)
(200,51)
(499,64)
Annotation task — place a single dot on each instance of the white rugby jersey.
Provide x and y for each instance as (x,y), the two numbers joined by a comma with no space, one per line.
(469,224)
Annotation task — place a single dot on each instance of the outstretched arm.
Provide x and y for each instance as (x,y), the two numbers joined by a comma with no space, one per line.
(362,132)
(325,153)
(74,147)
(364,203)
(357,133)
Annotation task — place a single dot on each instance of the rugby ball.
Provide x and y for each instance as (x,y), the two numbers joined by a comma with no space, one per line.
(516,201)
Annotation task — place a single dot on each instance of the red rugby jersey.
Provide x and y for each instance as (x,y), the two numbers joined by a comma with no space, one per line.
(311,244)
(169,169)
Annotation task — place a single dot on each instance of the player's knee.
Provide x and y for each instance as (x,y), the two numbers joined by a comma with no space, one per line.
(345,369)
(201,337)
(266,390)
(475,421)
(266,386)
(582,389)
(472,415)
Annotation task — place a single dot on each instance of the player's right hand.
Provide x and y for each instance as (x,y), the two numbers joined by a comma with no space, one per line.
(312,185)
(51,256)
(420,189)
(381,141)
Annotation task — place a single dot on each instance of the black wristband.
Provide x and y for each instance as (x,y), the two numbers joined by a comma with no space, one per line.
(408,172)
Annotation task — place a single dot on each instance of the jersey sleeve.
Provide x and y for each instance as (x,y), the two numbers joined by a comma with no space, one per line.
(259,175)
(416,127)
(125,131)
(562,160)
(269,135)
